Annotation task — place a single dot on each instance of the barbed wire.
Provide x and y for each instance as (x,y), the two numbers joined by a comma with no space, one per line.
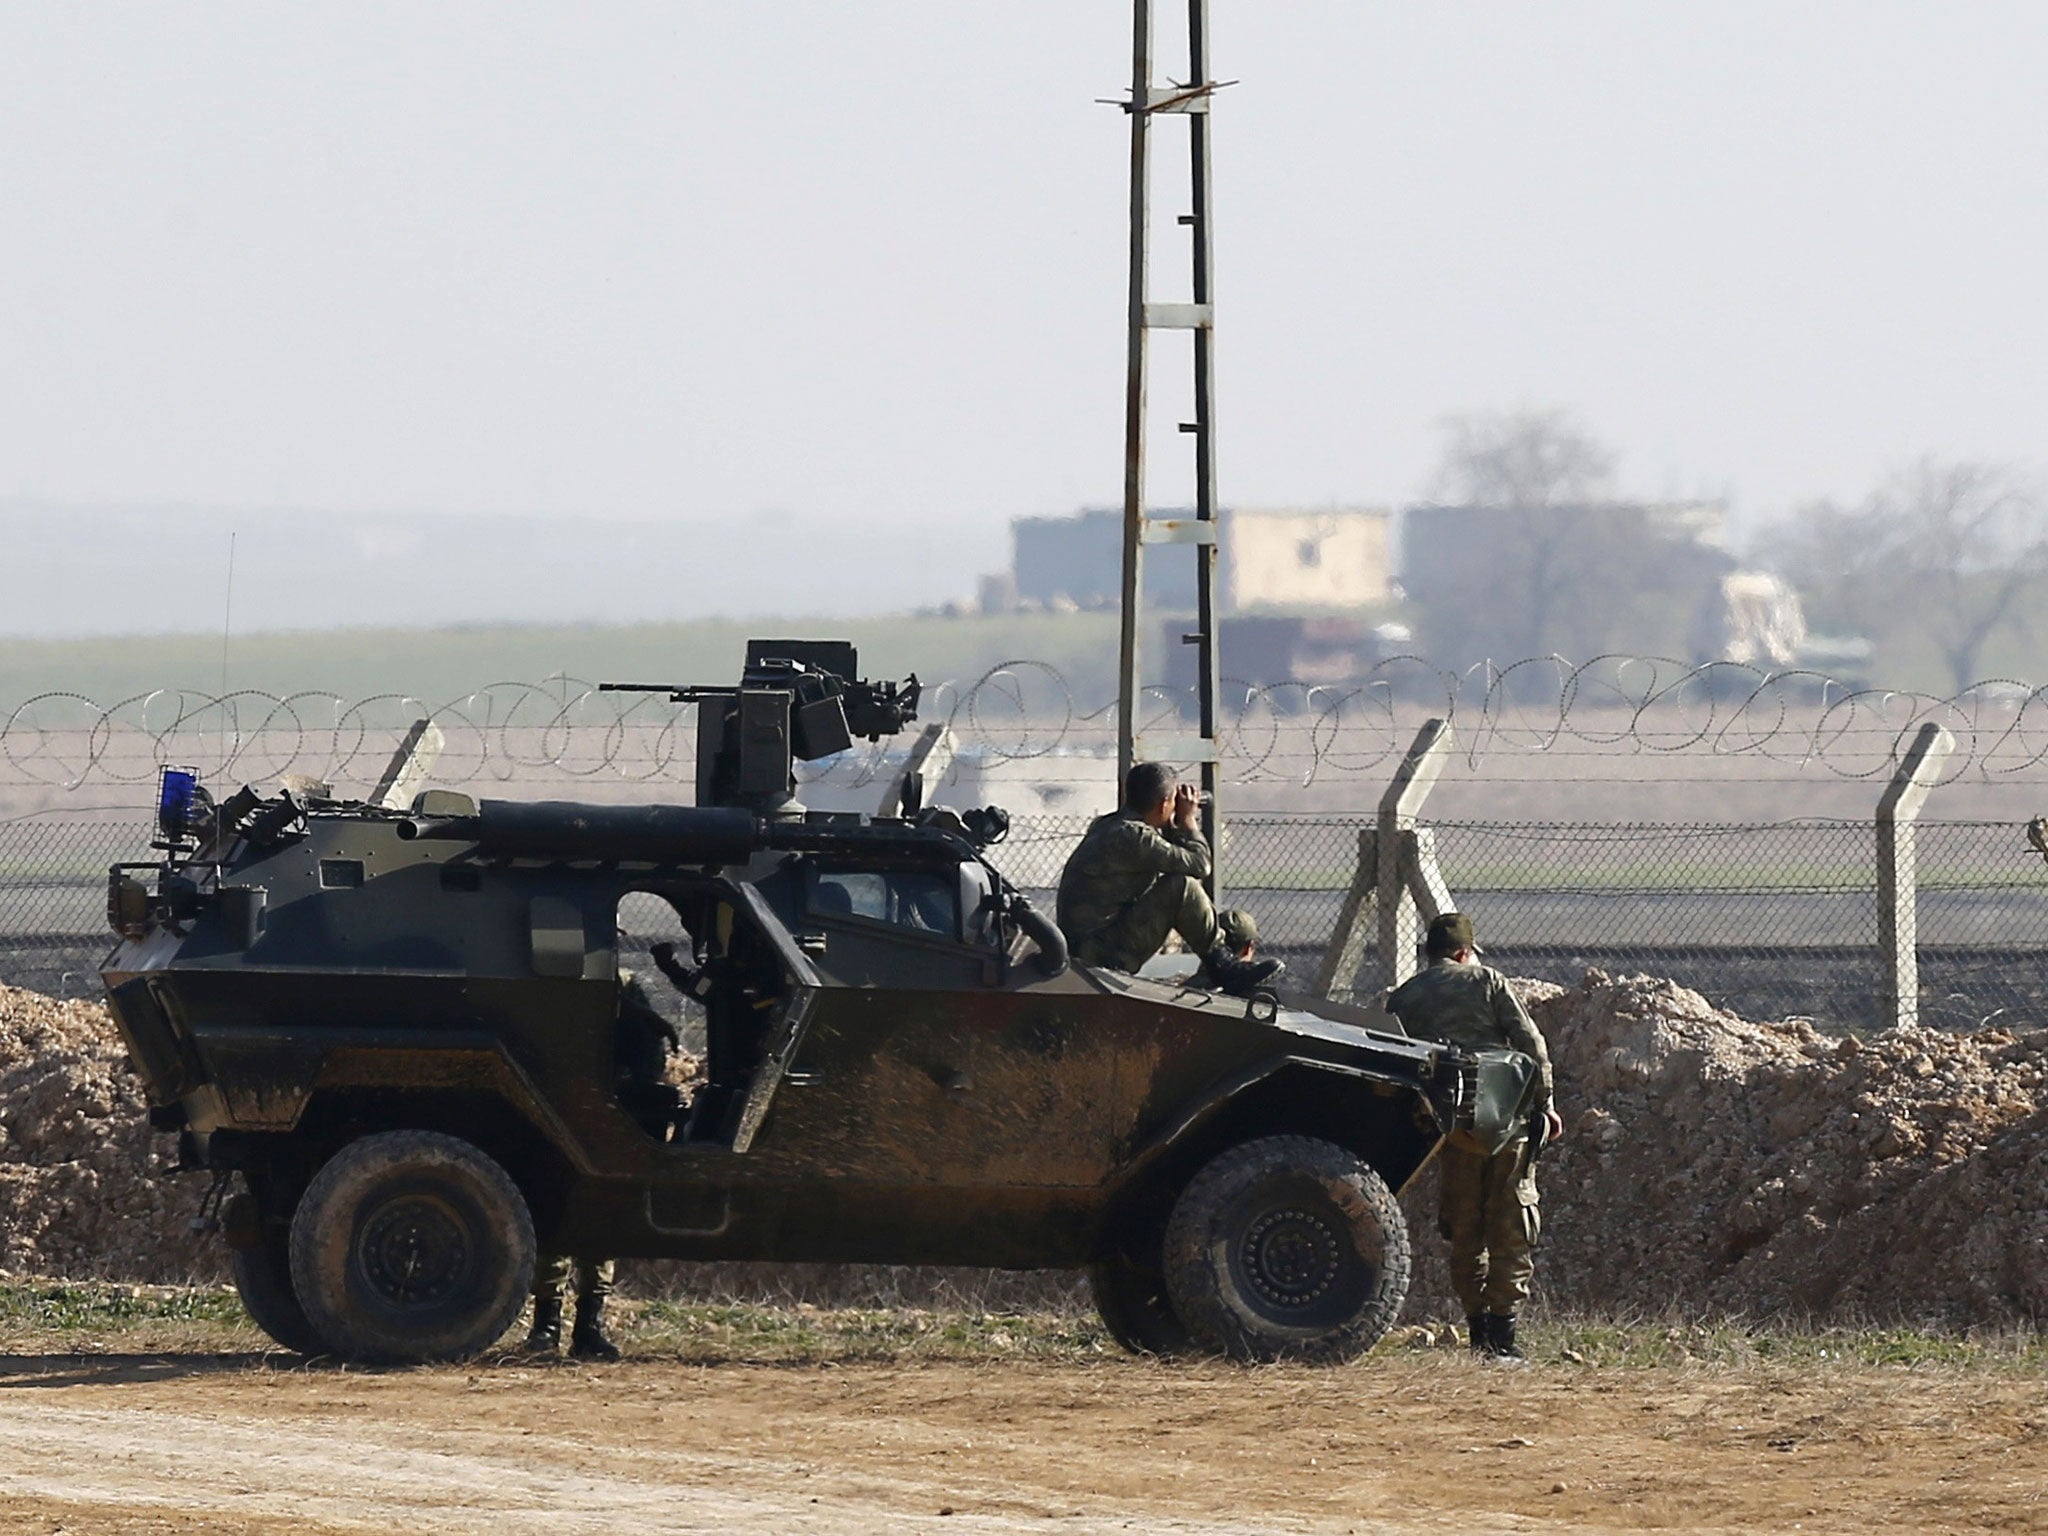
(1026,712)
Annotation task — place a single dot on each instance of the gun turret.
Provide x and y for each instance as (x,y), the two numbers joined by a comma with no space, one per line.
(797,701)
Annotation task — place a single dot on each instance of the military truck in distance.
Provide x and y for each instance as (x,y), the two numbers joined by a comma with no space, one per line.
(390,1035)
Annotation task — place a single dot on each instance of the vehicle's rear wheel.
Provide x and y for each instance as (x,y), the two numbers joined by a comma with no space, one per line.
(1287,1248)
(1134,1308)
(411,1246)
(261,1264)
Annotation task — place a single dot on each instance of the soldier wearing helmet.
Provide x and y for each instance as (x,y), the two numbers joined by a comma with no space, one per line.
(1489,1212)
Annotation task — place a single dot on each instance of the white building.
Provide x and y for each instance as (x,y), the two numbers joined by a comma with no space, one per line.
(1338,558)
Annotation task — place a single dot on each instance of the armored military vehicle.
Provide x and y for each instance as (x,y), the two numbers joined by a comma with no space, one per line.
(391,1035)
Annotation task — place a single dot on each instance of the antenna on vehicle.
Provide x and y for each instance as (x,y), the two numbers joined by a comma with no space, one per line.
(227,619)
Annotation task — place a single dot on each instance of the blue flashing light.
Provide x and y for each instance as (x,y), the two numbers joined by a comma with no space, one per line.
(177,794)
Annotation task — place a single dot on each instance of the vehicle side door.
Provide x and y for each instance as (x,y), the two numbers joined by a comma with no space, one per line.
(927,1060)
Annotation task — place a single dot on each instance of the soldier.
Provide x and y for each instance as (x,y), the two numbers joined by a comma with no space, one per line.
(1488,1212)
(594,1277)
(641,1047)
(1137,877)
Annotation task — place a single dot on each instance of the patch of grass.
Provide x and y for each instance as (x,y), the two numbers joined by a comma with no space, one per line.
(1734,1344)
(728,1330)
(66,1306)
(438,665)
(95,1316)
(92,1317)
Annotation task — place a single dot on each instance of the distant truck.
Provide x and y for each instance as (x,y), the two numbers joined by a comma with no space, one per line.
(391,1037)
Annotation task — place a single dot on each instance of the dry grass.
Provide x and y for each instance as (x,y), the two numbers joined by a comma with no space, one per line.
(88,1318)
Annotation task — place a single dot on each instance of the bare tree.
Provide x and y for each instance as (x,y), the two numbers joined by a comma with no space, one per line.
(1527,553)
(1944,551)
(1524,459)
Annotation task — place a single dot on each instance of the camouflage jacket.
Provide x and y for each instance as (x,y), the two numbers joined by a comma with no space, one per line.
(1472,1006)
(1119,860)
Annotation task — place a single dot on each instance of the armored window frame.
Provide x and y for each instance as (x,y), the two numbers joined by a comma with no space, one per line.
(945,885)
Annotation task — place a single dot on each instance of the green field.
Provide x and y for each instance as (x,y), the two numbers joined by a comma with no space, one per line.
(437,665)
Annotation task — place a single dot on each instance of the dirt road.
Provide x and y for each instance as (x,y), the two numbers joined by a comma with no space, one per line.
(128,1443)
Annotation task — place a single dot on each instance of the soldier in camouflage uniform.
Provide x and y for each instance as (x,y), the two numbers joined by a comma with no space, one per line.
(1137,877)
(641,1047)
(594,1279)
(1489,1212)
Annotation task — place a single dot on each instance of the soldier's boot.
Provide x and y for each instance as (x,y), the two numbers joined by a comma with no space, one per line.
(1479,1329)
(588,1341)
(1239,978)
(1500,1334)
(545,1338)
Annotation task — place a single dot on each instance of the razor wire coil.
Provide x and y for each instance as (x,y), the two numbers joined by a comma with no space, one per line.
(1024,711)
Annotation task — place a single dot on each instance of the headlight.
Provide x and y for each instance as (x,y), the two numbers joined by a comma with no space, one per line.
(127,905)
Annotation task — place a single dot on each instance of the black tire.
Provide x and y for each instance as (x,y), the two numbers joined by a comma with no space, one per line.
(1134,1308)
(263,1279)
(411,1246)
(1287,1248)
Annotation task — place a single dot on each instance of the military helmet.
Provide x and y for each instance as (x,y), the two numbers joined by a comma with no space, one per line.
(1448,933)
(1238,927)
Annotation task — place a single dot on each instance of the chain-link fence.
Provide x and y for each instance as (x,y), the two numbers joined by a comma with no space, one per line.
(1771,920)
(53,895)
(1983,925)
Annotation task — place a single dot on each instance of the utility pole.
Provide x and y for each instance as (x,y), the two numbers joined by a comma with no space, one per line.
(1190,101)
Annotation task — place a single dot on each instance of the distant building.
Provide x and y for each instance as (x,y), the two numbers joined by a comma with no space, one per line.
(1579,580)
(1341,559)
(1263,650)
(1077,559)
(1335,559)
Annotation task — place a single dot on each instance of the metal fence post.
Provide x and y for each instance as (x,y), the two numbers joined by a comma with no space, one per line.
(1400,925)
(1898,918)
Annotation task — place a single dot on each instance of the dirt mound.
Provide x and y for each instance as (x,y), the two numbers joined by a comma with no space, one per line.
(1710,1163)
(80,1187)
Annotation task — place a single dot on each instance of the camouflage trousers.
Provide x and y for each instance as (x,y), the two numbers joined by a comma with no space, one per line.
(1489,1216)
(553,1271)
(1172,904)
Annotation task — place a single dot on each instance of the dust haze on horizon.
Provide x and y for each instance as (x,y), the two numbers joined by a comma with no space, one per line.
(843,266)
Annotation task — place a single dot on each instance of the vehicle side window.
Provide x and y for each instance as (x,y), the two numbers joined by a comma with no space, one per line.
(849,893)
(929,902)
(926,901)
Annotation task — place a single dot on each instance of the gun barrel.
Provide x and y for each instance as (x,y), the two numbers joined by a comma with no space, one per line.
(654,834)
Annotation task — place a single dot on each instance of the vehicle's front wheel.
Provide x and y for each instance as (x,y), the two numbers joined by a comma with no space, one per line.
(1287,1248)
(1134,1308)
(411,1246)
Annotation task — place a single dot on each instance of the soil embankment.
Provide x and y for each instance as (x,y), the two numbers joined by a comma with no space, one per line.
(1720,1165)
(1710,1164)
(81,1186)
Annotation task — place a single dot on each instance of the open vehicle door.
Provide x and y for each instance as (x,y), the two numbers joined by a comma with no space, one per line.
(793,1016)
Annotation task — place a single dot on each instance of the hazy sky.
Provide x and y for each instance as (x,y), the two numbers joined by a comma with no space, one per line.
(865,260)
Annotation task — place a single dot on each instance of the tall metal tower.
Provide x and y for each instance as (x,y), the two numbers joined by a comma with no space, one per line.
(1189,101)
